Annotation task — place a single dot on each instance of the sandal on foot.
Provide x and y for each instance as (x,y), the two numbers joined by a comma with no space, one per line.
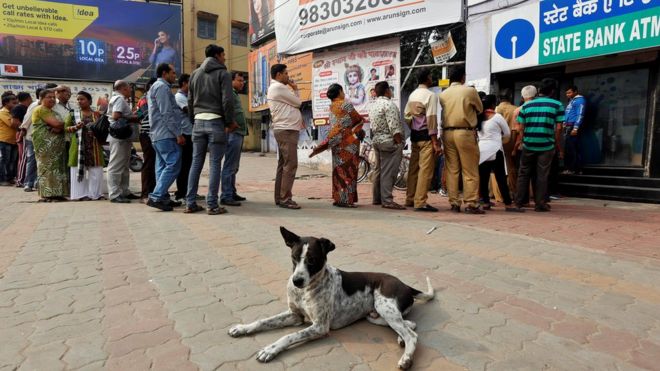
(393,206)
(192,209)
(216,211)
(289,205)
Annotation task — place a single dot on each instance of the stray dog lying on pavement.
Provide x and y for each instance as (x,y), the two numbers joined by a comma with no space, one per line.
(331,299)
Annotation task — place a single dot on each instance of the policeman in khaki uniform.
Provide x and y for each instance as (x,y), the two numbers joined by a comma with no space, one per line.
(460,107)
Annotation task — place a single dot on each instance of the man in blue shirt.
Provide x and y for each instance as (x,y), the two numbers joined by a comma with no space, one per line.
(571,128)
(166,136)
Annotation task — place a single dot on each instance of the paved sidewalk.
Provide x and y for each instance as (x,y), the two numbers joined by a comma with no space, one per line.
(94,285)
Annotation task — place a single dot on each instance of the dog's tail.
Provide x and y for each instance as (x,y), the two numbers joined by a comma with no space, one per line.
(423,297)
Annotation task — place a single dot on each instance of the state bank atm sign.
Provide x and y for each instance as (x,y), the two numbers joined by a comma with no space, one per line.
(552,31)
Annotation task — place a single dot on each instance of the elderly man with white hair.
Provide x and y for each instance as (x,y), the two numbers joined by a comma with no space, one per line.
(120,114)
(528,93)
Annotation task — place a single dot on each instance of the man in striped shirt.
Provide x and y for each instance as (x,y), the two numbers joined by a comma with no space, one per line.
(540,121)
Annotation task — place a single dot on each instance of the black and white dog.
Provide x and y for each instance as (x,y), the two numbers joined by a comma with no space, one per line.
(332,299)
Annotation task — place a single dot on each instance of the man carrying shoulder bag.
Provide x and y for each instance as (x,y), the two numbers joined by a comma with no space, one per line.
(120,117)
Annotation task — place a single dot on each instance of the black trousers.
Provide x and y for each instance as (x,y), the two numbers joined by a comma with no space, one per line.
(496,166)
(186,163)
(530,161)
(148,173)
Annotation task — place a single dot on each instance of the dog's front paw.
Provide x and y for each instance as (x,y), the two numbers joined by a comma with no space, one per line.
(237,330)
(267,354)
(405,362)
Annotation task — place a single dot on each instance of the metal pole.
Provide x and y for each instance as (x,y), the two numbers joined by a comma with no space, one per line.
(413,65)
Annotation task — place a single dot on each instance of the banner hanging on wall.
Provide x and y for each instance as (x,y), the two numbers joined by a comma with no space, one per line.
(357,68)
(259,62)
(303,25)
(98,40)
(262,20)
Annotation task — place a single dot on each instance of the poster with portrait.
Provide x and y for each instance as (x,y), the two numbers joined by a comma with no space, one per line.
(357,68)
(262,20)
(260,60)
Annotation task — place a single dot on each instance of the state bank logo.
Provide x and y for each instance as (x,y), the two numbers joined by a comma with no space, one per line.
(515,38)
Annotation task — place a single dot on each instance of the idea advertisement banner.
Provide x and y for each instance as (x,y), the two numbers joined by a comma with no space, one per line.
(98,40)
(357,68)
(100,92)
(552,31)
(303,25)
(262,20)
(259,62)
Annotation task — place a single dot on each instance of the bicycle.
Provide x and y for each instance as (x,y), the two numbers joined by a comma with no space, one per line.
(364,167)
(401,182)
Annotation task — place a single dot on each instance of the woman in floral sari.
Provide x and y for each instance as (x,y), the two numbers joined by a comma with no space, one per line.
(344,140)
(85,154)
(49,149)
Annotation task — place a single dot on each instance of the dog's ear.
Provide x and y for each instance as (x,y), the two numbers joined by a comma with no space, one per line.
(290,238)
(326,245)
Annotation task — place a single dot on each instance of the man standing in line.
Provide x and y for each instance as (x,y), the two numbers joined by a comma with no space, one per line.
(540,122)
(528,93)
(118,171)
(460,107)
(63,107)
(26,131)
(17,117)
(211,107)
(148,172)
(8,148)
(422,118)
(574,118)
(186,129)
(234,146)
(166,136)
(284,104)
(387,140)
(508,111)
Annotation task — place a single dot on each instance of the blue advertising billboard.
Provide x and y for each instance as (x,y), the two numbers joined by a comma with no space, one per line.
(94,40)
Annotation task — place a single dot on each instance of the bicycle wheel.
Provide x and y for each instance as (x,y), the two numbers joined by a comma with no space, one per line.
(363,169)
(401,182)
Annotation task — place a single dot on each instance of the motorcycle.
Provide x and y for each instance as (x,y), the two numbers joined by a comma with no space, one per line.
(136,160)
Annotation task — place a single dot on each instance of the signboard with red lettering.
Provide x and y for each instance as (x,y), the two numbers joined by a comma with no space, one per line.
(357,68)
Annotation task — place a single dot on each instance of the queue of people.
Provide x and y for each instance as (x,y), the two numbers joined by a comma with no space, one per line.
(473,134)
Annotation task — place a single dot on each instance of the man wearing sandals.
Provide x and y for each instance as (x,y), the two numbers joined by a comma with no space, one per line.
(284,104)
(386,137)
(211,106)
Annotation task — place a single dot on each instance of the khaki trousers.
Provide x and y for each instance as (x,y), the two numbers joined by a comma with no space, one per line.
(511,166)
(420,173)
(287,163)
(462,157)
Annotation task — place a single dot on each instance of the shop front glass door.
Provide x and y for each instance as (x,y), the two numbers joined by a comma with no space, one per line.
(615,120)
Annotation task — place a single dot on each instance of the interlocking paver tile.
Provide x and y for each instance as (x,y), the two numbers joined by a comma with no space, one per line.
(574,289)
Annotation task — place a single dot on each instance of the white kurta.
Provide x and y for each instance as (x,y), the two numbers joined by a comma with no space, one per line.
(91,185)
(492,132)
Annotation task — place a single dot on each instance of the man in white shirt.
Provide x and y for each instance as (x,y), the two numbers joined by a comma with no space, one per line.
(118,171)
(284,104)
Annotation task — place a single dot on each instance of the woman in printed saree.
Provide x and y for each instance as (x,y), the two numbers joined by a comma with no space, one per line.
(344,141)
(85,153)
(49,149)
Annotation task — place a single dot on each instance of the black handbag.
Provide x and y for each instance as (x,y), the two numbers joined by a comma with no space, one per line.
(100,128)
(121,129)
